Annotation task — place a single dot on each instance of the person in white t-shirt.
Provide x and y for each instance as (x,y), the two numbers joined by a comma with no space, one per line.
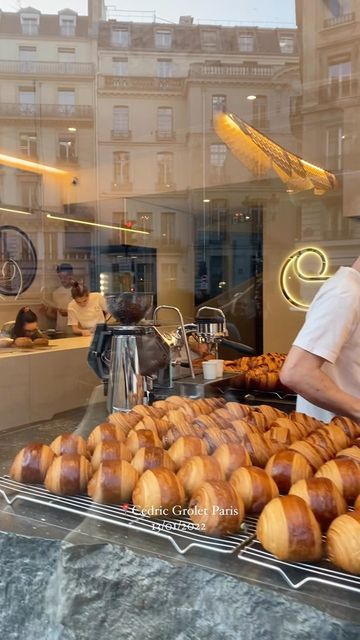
(61,296)
(86,310)
(323,365)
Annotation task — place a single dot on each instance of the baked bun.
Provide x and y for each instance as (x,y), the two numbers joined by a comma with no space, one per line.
(113,482)
(68,475)
(158,492)
(323,498)
(151,457)
(126,421)
(69,443)
(198,470)
(311,453)
(231,457)
(109,450)
(186,447)
(40,342)
(255,487)
(143,438)
(31,463)
(351,428)
(357,503)
(287,467)
(343,542)
(104,431)
(237,410)
(288,528)
(345,474)
(258,449)
(24,343)
(216,508)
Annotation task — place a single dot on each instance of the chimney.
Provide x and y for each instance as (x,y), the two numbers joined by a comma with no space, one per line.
(96,13)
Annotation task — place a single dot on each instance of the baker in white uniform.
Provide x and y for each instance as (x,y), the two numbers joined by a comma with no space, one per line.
(60,298)
(323,365)
(85,310)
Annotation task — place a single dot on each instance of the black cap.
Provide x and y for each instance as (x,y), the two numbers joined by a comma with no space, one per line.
(64,267)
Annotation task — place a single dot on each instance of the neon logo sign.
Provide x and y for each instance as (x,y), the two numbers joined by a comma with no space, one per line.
(294,262)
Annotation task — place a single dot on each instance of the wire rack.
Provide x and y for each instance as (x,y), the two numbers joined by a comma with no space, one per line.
(182,535)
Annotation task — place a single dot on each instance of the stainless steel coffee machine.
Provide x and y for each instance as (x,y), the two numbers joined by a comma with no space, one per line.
(138,357)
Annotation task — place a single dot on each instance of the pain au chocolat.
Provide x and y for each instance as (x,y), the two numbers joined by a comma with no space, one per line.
(68,475)
(31,463)
(216,508)
(323,498)
(159,492)
(255,487)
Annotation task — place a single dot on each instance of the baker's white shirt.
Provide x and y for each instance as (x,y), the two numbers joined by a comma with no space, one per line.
(61,298)
(332,331)
(91,315)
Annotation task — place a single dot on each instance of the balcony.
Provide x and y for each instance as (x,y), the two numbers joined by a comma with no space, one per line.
(338,89)
(142,84)
(165,135)
(13,67)
(198,70)
(120,134)
(11,111)
(121,186)
(335,21)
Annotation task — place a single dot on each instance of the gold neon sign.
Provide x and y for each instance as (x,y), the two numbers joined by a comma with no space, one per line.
(294,262)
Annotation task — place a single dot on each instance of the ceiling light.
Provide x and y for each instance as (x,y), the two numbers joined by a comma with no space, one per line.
(251,97)
(96,224)
(25,213)
(72,129)
(206,200)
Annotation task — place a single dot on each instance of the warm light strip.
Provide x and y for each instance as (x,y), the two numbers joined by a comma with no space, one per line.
(97,224)
(25,213)
(27,165)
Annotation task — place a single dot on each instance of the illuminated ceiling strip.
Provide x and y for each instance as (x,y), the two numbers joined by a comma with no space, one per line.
(25,213)
(97,224)
(27,165)
(293,261)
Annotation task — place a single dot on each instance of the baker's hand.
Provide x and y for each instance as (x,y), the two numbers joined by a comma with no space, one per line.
(63,312)
(85,332)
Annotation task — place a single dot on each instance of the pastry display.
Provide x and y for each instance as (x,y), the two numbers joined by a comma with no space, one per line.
(151,457)
(186,447)
(351,452)
(143,438)
(216,508)
(289,530)
(258,449)
(286,468)
(113,482)
(102,432)
(110,450)
(198,470)
(343,542)
(68,475)
(159,492)
(69,443)
(231,457)
(31,463)
(255,487)
(345,474)
(323,497)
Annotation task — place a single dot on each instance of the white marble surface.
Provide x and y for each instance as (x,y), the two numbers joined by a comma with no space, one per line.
(37,384)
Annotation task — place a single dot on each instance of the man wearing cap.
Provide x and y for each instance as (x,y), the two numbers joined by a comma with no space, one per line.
(61,297)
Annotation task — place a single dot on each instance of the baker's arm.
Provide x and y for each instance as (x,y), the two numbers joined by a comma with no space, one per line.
(302,373)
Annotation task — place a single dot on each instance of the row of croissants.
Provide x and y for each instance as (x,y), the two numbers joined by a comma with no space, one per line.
(257,372)
(217,461)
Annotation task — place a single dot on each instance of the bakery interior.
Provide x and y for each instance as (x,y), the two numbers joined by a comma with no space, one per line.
(202,176)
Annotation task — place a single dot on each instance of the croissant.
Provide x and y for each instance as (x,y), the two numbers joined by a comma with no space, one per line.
(296,429)
(288,528)
(323,443)
(255,487)
(69,443)
(310,452)
(216,508)
(351,452)
(124,420)
(68,475)
(109,450)
(144,438)
(337,435)
(343,542)
(214,437)
(198,470)
(351,428)
(280,435)
(345,474)
(186,447)
(323,498)
(146,410)
(113,482)
(174,433)
(151,457)
(287,467)
(222,417)
(308,422)
(237,410)
(258,420)
(258,449)
(231,457)
(206,421)
(104,431)
(243,428)
(270,413)
(357,502)
(31,463)
(158,493)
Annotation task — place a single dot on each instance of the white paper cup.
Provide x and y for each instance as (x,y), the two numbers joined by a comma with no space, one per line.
(210,369)
(220,368)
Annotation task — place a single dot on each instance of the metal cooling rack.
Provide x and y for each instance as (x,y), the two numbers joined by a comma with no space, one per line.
(298,574)
(181,533)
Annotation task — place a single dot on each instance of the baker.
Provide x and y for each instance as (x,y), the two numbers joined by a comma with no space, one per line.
(61,297)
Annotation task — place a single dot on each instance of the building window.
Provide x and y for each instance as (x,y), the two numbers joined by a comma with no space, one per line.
(260,112)
(67,25)
(209,38)
(28,145)
(29,193)
(218,104)
(334,144)
(121,168)
(66,54)
(246,43)
(120,66)
(169,272)
(217,160)
(163,39)
(287,44)
(121,121)
(120,37)
(164,123)
(67,146)
(27,101)
(66,101)
(27,53)
(168,228)
(144,220)
(164,68)
(165,169)
(339,75)
(30,24)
